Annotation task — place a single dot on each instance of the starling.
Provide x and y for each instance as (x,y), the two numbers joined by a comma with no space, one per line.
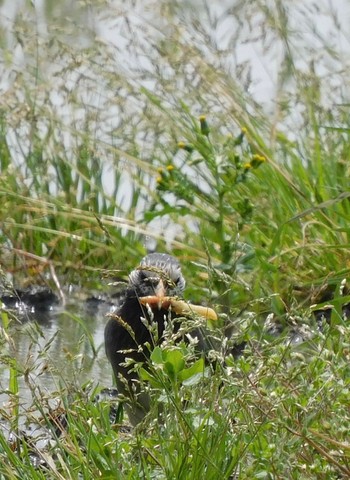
(152,297)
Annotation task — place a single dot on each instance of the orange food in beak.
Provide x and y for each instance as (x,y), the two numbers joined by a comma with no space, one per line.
(179,306)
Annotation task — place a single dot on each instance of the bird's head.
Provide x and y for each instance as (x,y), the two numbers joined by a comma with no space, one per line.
(158,274)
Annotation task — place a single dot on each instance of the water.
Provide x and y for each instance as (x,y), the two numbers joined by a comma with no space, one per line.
(55,349)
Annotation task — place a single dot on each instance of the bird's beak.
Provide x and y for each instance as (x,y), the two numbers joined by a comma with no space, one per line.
(157,299)
(160,290)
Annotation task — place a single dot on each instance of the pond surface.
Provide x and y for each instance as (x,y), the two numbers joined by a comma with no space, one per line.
(54,349)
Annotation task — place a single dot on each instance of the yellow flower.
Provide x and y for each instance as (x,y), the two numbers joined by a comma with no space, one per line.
(170,168)
(259,158)
(186,146)
(244,130)
(247,166)
(159,179)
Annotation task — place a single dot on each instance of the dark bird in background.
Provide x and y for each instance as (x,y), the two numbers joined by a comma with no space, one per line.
(158,276)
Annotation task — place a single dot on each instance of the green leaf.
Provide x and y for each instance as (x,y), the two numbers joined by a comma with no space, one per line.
(157,356)
(174,361)
(167,210)
(196,369)
(194,374)
(147,376)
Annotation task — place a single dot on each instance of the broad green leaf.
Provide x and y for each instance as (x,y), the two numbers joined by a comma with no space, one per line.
(195,369)
(174,361)
(157,356)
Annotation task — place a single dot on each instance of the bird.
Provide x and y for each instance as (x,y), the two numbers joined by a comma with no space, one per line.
(154,286)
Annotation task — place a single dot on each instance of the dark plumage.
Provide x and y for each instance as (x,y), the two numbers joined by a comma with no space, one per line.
(158,275)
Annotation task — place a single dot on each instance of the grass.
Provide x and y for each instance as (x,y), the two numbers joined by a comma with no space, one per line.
(279,410)
(100,163)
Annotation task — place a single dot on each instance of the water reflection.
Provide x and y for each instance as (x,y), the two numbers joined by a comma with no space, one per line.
(54,349)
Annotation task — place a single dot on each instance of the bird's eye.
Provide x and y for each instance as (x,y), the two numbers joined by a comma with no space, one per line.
(173,284)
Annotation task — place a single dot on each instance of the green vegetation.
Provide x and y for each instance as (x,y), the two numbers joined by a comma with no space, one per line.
(103,153)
